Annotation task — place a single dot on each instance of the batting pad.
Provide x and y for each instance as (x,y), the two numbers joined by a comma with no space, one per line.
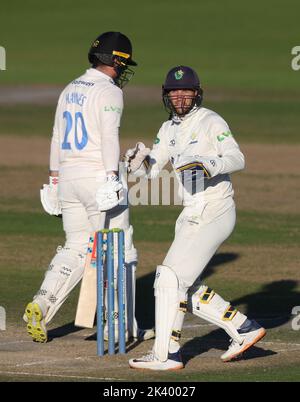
(64,272)
(211,307)
(166,308)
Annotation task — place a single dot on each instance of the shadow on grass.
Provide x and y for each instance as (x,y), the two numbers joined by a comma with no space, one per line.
(145,304)
(271,307)
(62,331)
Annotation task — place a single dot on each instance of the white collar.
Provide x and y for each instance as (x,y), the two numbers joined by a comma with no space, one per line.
(177,119)
(98,74)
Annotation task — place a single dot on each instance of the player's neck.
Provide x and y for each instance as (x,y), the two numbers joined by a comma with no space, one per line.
(108,70)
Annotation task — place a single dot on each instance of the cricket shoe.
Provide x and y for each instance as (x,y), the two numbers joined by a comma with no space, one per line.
(144,334)
(150,362)
(116,333)
(251,332)
(36,327)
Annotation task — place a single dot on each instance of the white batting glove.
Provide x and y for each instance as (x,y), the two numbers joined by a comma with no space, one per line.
(134,157)
(110,194)
(49,197)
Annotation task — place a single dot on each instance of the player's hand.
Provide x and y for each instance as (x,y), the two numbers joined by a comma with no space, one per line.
(49,197)
(110,194)
(134,157)
(210,166)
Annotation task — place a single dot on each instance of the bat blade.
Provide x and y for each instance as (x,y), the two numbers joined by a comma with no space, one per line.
(87,302)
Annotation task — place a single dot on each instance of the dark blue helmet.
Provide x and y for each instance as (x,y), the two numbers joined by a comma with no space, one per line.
(182,77)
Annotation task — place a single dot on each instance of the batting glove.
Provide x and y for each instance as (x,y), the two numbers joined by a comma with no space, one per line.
(110,194)
(49,197)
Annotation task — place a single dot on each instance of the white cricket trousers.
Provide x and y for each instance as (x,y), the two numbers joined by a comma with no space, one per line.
(198,235)
(81,216)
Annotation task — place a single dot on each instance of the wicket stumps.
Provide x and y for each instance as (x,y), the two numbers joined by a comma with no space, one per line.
(105,257)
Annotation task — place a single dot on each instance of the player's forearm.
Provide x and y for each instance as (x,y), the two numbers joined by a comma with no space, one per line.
(231,157)
(232,162)
(54,156)
(111,152)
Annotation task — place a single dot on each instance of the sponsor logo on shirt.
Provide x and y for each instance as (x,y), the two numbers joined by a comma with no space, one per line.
(224,135)
(85,83)
(113,109)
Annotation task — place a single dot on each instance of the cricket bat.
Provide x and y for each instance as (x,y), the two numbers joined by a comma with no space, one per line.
(87,302)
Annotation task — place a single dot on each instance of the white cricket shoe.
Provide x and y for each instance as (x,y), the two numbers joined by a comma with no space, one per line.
(145,334)
(36,327)
(105,333)
(150,362)
(251,333)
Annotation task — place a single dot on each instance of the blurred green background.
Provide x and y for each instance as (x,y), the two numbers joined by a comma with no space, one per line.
(232,44)
(241,50)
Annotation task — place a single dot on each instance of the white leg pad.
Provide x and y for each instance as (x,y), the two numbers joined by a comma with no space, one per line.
(130,299)
(63,274)
(211,307)
(131,258)
(166,308)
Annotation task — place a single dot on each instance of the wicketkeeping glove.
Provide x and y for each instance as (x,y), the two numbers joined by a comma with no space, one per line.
(49,197)
(211,166)
(134,157)
(110,194)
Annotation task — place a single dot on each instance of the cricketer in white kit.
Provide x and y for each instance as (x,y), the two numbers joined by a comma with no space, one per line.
(84,184)
(203,153)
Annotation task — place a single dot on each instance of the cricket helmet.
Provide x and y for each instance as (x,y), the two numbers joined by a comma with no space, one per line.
(113,49)
(182,77)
